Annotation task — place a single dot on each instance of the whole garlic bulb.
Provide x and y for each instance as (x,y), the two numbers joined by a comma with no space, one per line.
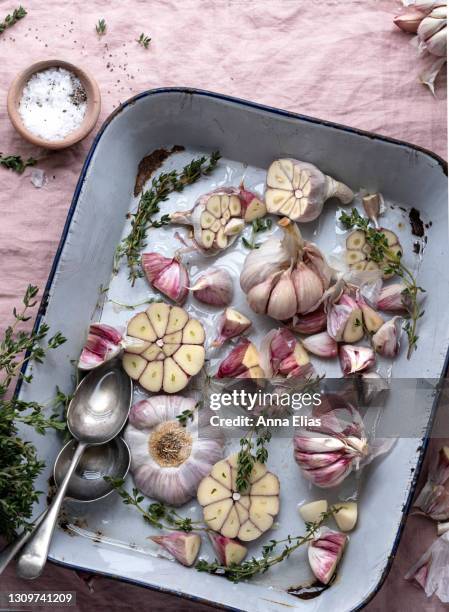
(298,190)
(432,32)
(285,276)
(168,460)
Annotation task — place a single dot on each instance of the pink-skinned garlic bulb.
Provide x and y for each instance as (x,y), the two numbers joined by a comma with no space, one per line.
(167,275)
(218,217)
(325,552)
(298,190)
(285,276)
(329,453)
(169,458)
(232,323)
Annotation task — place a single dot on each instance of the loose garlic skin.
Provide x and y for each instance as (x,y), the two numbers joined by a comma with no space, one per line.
(171,349)
(168,460)
(298,190)
(245,515)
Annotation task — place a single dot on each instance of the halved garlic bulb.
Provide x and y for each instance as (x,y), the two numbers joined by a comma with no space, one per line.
(298,190)
(358,250)
(245,515)
(172,350)
(169,460)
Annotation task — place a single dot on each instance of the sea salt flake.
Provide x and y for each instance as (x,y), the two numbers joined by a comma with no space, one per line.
(53,104)
(38,177)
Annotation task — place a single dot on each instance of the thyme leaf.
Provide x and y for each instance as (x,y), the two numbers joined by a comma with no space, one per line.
(16,163)
(101,27)
(257,226)
(10,20)
(249,453)
(144,40)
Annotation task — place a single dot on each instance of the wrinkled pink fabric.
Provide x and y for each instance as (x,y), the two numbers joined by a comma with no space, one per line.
(341,61)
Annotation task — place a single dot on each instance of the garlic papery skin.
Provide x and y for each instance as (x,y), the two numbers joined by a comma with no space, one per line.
(169,276)
(386,339)
(391,298)
(442,528)
(298,190)
(285,276)
(103,343)
(232,324)
(344,320)
(356,358)
(242,362)
(168,460)
(183,546)
(228,551)
(321,345)
(215,287)
(325,552)
(310,323)
(431,572)
(433,499)
(409,20)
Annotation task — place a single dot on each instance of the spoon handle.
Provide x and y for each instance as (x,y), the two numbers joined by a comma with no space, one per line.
(34,555)
(8,553)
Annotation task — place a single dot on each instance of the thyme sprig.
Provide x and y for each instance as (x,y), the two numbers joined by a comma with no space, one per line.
(257,226)
(392,264)
(188,415)
(16,163)
(101,27)
(144,40)
(157,514)
(249,453)
(149,205)
(259,565)
(10,20)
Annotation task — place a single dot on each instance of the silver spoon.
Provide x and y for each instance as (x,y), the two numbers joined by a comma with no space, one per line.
(87,483)
(96,414)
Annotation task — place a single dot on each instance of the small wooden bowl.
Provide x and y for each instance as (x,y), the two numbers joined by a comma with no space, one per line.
(92,111)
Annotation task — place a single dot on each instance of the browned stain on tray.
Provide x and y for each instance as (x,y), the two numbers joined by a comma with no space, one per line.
(416,223)
(150,163)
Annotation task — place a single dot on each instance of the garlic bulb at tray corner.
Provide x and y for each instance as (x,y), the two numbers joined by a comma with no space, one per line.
(285,276)
(218,217)
(168,460)
(298,190)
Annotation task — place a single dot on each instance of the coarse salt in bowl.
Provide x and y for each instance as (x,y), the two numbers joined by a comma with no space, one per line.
(54,104)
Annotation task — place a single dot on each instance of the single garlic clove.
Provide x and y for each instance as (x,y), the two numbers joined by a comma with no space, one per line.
(234,226)
(310,323)
(241,358)
(296,363)
(102,344)
(259,295)
(371,319)
(215,287)
(169,276)
(252,207)
(325,552)
(312,511)
(321,345)
(282,304)
(356,358)
(386,339)
(392,298)
(232,324)
(409,21)
(228,551)
(437,44)
(308,288)
(183,546)
(346,515)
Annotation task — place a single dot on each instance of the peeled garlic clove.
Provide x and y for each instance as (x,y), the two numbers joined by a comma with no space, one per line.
(103,343)
(228,551)
(282,304)
(241,358)
(409,21)
(391,298)
(325,552)
(371,319)
(298,190)
(346,515)
(183,546)
(356,358)
(169,276)
(174,351)
(243,515)
(309,323)
(386,339)
(321,345)
(252,206)
(215,287)
(232,324)
(312,511)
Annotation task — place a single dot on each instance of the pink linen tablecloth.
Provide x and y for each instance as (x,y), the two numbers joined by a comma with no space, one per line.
(340,61)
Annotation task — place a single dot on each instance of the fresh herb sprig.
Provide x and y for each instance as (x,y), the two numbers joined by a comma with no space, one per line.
(144,40)
(188,415)
(392,264)
(268,558)
(157,514)
(149,205)
(249,453)
(16,163)
(19,465)
(10,20)
(101,27)
(257,226)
